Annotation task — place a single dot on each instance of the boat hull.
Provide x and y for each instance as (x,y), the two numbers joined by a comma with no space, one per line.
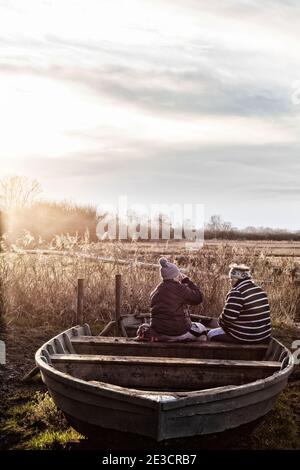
(90,406)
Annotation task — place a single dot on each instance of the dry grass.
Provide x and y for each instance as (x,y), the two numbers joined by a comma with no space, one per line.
(41,289)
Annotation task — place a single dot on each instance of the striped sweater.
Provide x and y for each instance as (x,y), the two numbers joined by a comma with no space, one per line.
(246,314)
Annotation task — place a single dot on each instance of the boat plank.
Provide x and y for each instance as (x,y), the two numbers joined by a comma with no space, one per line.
(129,347)
(163,361)
(163,373)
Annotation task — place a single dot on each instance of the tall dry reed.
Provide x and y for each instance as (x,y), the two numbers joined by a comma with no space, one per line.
(41,289)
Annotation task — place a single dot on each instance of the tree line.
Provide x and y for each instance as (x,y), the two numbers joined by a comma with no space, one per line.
(26,214)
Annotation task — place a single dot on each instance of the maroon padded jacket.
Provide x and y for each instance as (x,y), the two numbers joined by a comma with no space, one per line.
(168,300)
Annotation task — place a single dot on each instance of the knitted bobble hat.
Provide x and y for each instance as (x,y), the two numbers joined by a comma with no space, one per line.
(168,270)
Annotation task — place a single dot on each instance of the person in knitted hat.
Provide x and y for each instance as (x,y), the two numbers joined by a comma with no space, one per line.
(246,315)
(170,320)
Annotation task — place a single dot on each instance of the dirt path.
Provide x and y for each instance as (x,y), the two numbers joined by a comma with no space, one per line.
(21,345)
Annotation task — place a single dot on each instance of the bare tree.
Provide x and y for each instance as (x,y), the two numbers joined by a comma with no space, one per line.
(215,224)
(226,226)
(18,192)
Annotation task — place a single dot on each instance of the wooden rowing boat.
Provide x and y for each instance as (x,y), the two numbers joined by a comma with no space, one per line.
(160,390)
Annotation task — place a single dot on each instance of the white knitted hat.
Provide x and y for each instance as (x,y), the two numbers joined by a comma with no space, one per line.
(239,271)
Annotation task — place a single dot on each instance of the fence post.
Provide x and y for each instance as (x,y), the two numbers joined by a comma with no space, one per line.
(118,317)
(118,279)
(80,297)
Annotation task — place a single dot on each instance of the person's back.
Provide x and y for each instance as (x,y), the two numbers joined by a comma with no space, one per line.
(246,314)
(169,320)
(169,315)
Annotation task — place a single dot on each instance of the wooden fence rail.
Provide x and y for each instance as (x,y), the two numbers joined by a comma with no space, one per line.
(92,258)
(118,261)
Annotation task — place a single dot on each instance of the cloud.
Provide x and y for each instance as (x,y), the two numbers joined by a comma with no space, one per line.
(156,98)
(192,92)
(197,92)
(205,169)
(231,70)
(281,192)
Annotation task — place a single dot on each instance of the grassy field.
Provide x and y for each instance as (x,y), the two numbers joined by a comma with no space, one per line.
(39,298)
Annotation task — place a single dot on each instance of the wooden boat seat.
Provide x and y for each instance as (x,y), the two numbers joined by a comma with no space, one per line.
(164,373)
(128,347)
(98,359)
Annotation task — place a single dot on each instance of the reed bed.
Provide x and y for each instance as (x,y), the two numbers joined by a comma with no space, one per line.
(40,289)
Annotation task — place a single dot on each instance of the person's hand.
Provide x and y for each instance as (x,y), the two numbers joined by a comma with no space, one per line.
(183,277)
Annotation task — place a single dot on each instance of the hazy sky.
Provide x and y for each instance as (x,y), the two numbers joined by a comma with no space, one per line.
(185,101)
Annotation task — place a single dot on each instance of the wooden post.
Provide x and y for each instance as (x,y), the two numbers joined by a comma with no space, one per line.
(118,318)
(117,322)
(80,296)
(118,280)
